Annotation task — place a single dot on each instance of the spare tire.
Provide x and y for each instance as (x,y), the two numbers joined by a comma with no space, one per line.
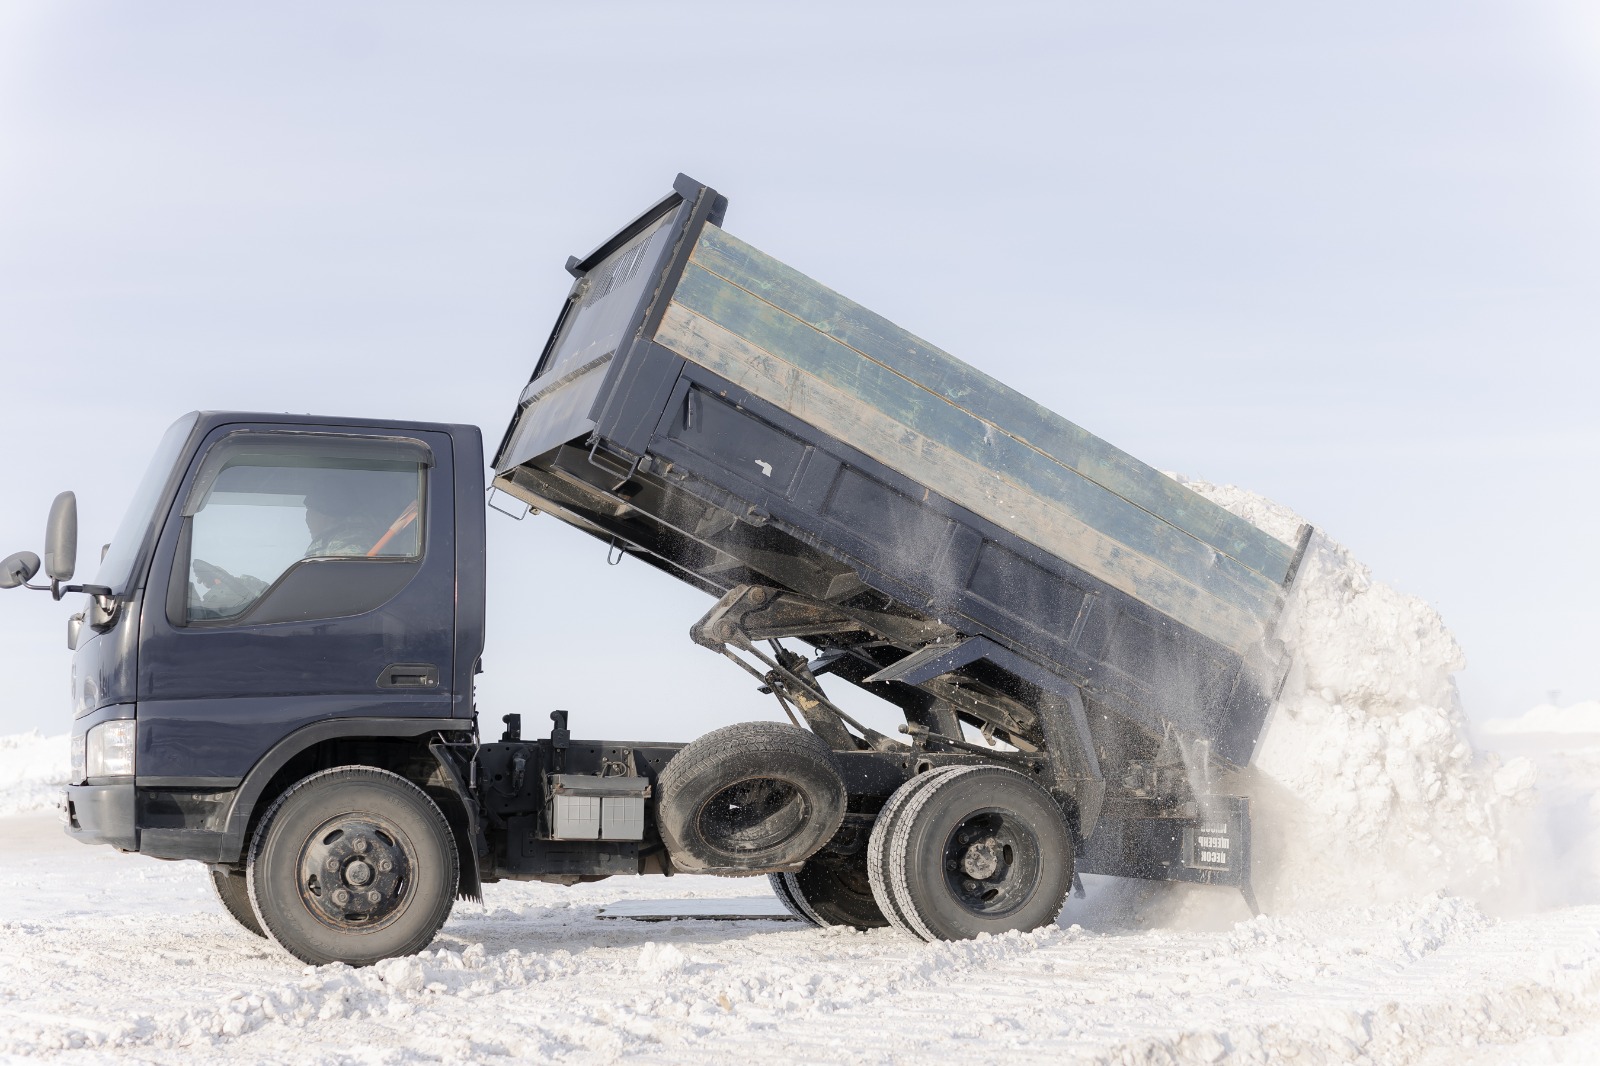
(749,798)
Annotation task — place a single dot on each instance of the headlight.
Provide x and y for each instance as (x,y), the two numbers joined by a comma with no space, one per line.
(110,749)
(80,759)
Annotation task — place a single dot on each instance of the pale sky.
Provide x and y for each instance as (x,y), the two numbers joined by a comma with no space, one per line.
(1345,255)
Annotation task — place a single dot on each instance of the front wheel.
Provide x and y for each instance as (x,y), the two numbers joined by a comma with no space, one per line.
(353,865)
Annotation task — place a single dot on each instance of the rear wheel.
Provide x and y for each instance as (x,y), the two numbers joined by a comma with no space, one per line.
(978,849)
(833,889)
(233,889)
(877,857)
(354,865)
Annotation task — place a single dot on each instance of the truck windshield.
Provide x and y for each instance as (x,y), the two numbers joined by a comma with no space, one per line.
(116,569)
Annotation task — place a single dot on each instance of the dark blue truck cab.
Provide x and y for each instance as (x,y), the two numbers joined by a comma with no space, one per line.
(284,650)
(274,669)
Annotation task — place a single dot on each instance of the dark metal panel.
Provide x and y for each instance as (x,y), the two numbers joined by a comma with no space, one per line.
(1211,848)
(104,664)
(221,738)
(471,562)
(934,661)
(644,375)
(759,453)
(275,757)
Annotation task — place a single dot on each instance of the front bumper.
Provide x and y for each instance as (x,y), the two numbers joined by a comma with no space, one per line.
(102,814)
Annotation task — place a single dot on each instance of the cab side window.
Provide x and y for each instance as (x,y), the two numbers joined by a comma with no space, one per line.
(268,506)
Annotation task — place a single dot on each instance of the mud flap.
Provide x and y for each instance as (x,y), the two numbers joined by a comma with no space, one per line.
(1209,848)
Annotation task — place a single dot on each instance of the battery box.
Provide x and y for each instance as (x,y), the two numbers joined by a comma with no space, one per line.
(584,807)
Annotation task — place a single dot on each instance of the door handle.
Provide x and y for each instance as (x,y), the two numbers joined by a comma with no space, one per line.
(409,675)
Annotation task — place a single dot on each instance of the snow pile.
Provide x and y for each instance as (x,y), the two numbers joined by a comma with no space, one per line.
(1578,718)
(32,770)
(1365,784)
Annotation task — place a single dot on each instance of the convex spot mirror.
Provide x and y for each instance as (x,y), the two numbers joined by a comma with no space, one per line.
(18,569)
(61,538)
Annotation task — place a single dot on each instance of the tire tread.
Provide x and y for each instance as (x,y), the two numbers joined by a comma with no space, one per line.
(878,849)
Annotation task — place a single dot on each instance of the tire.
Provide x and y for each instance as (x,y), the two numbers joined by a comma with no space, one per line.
(749,798)
(835,889)
(233,889)
(878,849)
(979,849)
(780,888)
(383,837)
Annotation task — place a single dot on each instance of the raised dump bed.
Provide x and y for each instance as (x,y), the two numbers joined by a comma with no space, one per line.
(956,547)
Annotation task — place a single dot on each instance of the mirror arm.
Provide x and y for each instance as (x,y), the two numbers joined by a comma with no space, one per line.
(58,590)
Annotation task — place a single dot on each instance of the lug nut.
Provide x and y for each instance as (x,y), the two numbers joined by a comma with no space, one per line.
(360,844)
(341,897)
(373,897)
(386,866)
(333,864)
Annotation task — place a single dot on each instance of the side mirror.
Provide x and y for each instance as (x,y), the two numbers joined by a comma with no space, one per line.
(61,538)
(18,569)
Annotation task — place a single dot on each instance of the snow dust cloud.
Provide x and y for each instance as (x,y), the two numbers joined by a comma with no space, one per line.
(1366,785)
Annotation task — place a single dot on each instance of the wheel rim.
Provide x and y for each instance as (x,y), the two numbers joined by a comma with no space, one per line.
(991,863)
(355,872)
(754,815)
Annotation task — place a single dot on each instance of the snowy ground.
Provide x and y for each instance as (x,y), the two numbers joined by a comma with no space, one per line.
(111,957)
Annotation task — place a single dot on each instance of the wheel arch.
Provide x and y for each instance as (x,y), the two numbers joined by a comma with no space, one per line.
(399,745)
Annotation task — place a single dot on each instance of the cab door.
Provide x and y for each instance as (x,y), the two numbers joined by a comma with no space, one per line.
(304,573)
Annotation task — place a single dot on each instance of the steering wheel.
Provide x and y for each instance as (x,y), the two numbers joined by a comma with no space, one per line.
(407,516)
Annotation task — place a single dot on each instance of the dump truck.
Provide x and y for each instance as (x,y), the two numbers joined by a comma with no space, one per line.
(273,668)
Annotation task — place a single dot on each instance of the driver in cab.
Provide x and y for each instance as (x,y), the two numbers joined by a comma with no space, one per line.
(341,520)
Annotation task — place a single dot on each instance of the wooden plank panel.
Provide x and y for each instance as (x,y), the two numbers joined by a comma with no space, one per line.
(1004,408)
(843,368)
(974,486)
